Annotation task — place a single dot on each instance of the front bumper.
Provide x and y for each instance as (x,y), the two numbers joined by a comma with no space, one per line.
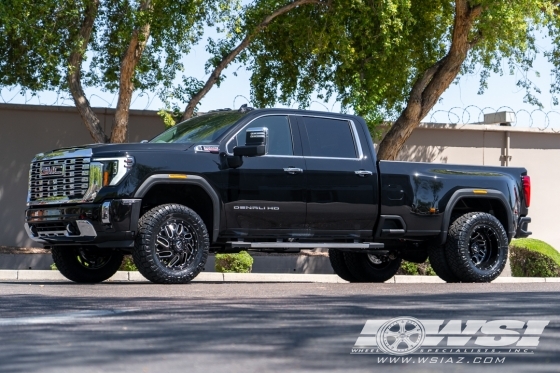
(110,224)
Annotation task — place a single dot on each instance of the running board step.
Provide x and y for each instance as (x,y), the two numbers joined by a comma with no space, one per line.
(306,245)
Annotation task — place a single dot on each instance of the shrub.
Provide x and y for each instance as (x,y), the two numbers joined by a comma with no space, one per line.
(533,258)
(128,264)
(234,263)
(413,269)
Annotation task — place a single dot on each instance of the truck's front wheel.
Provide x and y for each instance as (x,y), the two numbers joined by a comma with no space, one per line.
(86,265)
(171,245)
(371,268)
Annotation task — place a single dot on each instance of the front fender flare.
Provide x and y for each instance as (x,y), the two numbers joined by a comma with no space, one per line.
(187,180)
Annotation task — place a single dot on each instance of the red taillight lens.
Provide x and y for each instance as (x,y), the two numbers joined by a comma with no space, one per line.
(527,189)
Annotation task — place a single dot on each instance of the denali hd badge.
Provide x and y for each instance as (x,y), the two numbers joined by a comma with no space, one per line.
(275,208)
(51,170)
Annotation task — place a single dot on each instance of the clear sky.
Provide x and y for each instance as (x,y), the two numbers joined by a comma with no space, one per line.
(460,103)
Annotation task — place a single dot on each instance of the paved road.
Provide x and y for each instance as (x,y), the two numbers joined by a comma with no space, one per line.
(227,327)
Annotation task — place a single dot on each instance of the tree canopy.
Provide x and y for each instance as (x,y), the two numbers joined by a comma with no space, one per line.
(382,59)
(392,59)
(126,45)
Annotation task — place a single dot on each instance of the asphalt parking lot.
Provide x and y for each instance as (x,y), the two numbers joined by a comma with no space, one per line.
(248,327)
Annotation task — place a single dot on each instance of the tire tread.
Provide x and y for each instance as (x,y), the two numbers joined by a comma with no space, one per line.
(143,256)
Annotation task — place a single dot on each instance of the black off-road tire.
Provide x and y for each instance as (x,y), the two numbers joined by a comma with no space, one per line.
(336,257)
(364,270)
(477,247)
(148,256)
(438,261)
(84,265)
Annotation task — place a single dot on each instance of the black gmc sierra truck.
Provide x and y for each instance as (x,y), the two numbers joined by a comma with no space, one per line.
(272,180)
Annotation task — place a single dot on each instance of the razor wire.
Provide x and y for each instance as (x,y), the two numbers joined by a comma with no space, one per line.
(473,114)
(8,95)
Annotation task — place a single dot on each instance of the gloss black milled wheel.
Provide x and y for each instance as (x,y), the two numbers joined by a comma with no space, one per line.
(176,244)
(477,247)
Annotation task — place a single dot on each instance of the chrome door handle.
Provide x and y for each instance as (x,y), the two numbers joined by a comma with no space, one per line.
(363,173)
(293,170)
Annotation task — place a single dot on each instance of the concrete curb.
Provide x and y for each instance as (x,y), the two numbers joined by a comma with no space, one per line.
(31,275)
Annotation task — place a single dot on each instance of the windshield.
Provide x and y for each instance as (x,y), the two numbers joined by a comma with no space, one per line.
(201,129)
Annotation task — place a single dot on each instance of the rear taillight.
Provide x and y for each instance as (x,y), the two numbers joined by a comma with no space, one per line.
(527,189)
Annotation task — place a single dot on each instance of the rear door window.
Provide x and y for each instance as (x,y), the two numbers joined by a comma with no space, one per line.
(331,138)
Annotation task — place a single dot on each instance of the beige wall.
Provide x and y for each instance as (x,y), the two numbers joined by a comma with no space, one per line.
(26,130)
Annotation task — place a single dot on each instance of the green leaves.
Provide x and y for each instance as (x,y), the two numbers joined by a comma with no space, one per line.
(38,36)
(369,53)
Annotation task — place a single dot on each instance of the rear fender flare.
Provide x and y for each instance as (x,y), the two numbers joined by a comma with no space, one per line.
(468,193)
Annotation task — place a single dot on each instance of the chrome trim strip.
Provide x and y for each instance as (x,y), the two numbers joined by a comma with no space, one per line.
(356,139)
(64,153)
(106,213)
(125,163)
(86,231)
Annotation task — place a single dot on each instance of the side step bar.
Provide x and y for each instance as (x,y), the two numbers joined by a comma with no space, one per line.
(305,245)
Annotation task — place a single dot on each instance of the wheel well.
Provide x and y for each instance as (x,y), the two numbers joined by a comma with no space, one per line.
(192,196)
(492,206)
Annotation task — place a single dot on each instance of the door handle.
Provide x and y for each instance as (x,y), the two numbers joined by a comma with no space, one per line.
(293,170)
(363,173)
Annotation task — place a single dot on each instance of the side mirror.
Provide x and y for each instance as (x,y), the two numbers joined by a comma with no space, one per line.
(143,141)
(256,142)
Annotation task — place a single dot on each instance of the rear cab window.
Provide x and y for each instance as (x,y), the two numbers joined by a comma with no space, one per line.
(330,138)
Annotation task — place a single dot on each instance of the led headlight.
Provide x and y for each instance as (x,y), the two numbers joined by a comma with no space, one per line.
(114,169)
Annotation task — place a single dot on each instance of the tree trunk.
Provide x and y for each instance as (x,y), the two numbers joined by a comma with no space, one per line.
(133,54)
(215,75)
(75,72)
(430,86)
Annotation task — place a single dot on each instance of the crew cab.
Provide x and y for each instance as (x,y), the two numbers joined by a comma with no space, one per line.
(270,180)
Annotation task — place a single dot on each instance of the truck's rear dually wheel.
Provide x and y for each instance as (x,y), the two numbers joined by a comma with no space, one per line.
(172,244)
(477,247)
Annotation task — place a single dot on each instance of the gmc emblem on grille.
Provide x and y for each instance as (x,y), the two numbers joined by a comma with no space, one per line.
(50,170)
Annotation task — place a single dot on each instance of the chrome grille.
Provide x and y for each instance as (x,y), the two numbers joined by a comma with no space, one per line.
(60,179)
